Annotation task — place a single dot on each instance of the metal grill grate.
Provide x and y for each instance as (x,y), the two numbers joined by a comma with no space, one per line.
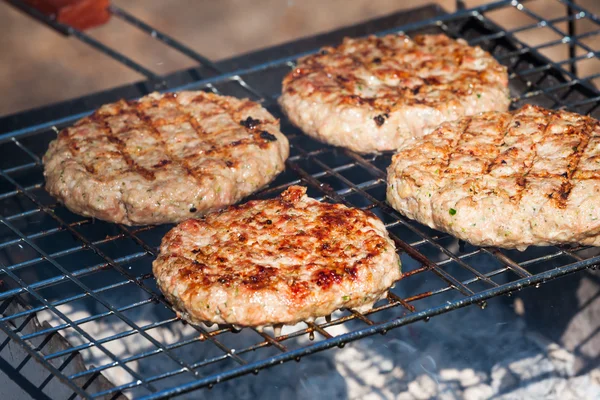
(51,259)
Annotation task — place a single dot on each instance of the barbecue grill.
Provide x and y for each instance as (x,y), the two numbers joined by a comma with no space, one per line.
(51,259)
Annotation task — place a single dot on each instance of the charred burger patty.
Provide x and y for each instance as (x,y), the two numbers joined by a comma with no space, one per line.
(373,94)
(514,179)
(165,157)
(278,261)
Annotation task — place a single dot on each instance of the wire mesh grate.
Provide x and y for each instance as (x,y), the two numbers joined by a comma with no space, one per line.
(53,262)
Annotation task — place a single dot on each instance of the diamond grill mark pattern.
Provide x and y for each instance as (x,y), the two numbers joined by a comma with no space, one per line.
(103,119)
(342,95)
(236,116)
(406,69)
(572,141)
(156,158)
(518,155)
(529,177)
(154,130)
(509,152)
(139,119)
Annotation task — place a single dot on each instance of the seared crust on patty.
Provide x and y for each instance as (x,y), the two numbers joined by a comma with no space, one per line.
(528,177)
(165,157)
(373,94)
(278,261)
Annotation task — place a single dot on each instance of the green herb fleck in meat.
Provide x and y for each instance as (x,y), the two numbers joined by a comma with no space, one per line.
(452,211)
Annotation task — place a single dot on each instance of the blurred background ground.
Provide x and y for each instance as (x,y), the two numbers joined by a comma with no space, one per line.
(39,66)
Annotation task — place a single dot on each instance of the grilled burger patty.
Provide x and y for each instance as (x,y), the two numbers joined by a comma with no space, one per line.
(277,261)
(373,94)
(165,157)
(514,179)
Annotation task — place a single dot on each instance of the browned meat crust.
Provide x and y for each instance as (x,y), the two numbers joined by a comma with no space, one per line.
(373,94)
(165,157)
(528,177)
(278,261)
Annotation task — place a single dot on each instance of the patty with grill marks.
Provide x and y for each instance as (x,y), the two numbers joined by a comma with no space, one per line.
(277,261)
(513,179)
(373,94)
(165,157)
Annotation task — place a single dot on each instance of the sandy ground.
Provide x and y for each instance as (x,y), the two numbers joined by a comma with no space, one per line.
(39,66)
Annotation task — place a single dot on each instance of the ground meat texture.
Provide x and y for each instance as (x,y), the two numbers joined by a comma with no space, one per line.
(528,177)
(165,157)
(278,261)
(373,94)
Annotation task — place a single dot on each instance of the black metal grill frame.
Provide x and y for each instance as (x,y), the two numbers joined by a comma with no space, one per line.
(462,274)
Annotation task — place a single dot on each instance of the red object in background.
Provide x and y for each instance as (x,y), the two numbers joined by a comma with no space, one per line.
(80,14)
